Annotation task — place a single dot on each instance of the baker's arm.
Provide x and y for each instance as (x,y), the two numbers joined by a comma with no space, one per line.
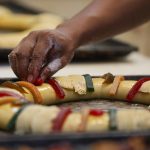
(106,18)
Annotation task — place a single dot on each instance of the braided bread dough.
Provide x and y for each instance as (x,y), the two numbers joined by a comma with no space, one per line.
(101,90)
(38,119)
(41,118)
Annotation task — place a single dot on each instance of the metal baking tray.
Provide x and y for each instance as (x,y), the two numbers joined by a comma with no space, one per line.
(100,51)
(103,51)
(79,140)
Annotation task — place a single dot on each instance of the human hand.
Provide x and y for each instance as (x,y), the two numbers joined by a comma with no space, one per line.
(41,54)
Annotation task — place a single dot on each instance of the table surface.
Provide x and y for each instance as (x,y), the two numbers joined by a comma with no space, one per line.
(134,64)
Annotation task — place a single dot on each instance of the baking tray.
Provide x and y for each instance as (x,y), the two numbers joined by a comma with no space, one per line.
(97,51)
(103,51)
(100,51)
(79,140)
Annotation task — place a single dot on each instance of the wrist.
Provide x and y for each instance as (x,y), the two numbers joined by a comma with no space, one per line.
(71,33)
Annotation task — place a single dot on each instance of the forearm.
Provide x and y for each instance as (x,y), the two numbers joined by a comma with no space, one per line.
(105,18)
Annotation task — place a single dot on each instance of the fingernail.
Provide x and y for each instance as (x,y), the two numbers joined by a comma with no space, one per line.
(30,78)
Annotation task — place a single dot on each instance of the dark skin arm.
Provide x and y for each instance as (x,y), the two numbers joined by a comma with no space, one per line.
(43,53)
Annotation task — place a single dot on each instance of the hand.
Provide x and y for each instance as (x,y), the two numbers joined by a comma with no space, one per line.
(41,54)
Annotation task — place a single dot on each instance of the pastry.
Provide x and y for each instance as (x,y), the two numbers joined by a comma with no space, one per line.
(19,113)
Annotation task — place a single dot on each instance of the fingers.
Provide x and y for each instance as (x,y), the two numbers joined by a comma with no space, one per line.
(43,45)
(51,68)
(22,64)
(19,58)
(13,62)
(37,49)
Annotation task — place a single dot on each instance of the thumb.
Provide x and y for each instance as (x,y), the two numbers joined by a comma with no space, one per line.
(51,68)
